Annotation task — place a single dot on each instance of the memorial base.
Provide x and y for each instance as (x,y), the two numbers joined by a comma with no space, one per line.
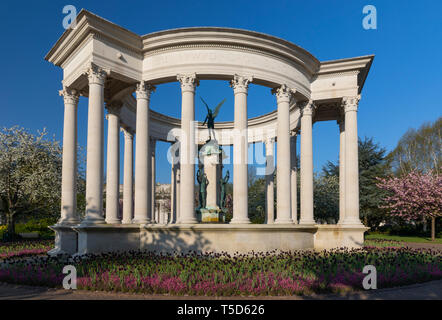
(205,237)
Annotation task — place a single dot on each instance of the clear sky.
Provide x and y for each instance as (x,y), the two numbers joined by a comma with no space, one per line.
(403,88)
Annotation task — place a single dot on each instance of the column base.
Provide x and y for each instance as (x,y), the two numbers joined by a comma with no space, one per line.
(351,222)
(240,221)
(116,221)
(307,222)
(283,221)
(142,221)
(68,222)
(93,221)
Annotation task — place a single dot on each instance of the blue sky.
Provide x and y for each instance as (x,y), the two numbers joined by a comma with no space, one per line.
(403,89)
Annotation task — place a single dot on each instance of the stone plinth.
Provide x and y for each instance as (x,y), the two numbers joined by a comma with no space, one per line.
(214,215)
(231,238)
(211,156)
(66,239)
(331,236)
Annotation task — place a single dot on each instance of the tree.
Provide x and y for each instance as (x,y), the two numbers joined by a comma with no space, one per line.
(30,175)
(419,150)
(326,198)
(372,164)
(414,195)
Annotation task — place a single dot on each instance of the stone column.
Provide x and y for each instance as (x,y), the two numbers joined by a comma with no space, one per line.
(153,143)
(172,193)
(350,105)
(283,171)
(143,183)
(240,150)
(187,150)
(95,142)
(341,124)
(293,178)
(306,164)
(128,189)
(270,171)
(178,192)
(69,213)
(113,164)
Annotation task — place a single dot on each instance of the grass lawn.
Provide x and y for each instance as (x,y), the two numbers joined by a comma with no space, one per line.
(402,238)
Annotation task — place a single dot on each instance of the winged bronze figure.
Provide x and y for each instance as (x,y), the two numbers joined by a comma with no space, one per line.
(211,115)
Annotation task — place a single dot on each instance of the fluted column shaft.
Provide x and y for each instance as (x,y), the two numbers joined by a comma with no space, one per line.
(283,171)
(143,183)
(270,171)
(128,188)
(69,213)
(306,164)
(240,150)
(341,123)
(178,192)
(95,139)
(187,148)
(172,193)
(293,179)
(351,162)
(153,143)
(113,165)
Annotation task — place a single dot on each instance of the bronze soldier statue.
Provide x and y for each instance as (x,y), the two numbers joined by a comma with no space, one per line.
(223,183)
(203,182)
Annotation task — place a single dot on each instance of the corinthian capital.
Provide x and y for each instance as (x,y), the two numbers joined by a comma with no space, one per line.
(240,84)
(350,103)
(283,93)
(144,90)
(307,108)
(188,82)
(70,96)
(96,75)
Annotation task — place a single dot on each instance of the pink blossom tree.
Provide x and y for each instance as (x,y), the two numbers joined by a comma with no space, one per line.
(414,196)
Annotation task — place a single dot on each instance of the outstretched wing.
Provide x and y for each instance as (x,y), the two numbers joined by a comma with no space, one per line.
(207,106)
(215,113)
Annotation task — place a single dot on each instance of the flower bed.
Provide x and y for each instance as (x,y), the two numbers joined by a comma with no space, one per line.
(11,250)
(288,273)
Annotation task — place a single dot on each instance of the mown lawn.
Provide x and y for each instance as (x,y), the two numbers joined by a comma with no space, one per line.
(377,236)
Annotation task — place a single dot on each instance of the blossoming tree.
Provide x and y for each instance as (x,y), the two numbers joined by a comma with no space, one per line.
(30,174)
(414,196)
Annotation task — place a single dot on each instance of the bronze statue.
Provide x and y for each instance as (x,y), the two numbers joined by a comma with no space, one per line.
(203,182)
(223,183)
(210,118)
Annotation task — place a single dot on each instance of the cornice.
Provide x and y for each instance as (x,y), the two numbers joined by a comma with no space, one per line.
(88,23)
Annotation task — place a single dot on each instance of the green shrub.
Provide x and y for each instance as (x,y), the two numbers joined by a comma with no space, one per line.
(37,225)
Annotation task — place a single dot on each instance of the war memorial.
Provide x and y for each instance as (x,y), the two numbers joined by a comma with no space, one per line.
(118,71)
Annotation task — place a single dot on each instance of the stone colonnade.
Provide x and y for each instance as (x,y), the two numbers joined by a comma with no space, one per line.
(138,197)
